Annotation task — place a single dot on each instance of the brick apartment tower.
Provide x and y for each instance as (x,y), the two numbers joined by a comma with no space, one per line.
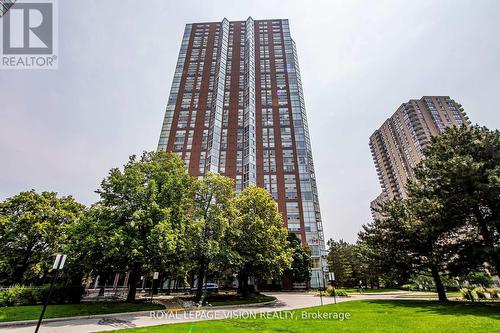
(397,145)
(236,108)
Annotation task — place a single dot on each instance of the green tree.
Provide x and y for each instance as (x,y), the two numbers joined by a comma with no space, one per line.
(385,242)
(261,240)
(33,228)
(430,238)
(142,215)
(88,247)
(340,259)
(213,214)
(461,172)
(300,271)
(409,240)
(449,223)
(363,268)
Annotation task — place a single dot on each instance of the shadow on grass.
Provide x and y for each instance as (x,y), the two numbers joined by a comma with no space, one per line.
(490,310)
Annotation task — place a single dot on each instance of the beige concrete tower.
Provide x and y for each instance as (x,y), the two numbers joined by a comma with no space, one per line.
(397,145)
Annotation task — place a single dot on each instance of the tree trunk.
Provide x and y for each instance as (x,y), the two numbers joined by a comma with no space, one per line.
(21,268)
(201,277)
(191,281)
(439,284)
(156,284)
(133,279)
(243,283)
(169,287)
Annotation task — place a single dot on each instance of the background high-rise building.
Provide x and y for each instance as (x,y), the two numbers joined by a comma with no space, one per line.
(236,107)
(397,145)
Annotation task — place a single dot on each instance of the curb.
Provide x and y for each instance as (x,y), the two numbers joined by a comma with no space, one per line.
(107,315)
(238,305)
(52,320)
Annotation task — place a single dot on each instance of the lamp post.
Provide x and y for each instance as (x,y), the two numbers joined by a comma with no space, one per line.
(58,265)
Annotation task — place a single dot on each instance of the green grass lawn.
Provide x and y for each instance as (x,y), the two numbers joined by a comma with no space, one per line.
(14,313)
(221,299)
(365,316)
(417,294)
(370,291)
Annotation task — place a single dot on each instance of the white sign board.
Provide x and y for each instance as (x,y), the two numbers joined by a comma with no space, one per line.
(331,276)
(59,262)
(155,275)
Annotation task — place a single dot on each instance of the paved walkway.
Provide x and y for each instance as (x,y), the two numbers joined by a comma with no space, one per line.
(285,301)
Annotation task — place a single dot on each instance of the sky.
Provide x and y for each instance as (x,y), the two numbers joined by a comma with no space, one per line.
(62,130)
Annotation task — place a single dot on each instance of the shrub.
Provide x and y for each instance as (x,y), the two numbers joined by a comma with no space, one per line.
(469,294)
(330,291)
(495,292)
(481,293)
(17,295)
(480,279)
(22,295)
(341,292)
(409,286)
(63,294)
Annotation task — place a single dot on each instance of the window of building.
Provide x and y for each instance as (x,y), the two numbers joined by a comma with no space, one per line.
(284,117)
(286,137)
(268,137)
(271,185)
(288,161)
(269,160)
(267,117)
(290,187)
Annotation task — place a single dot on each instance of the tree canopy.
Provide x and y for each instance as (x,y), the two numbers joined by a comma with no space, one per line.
(142,218)
(448,222)
(300,270)
(33,229)
(261,239)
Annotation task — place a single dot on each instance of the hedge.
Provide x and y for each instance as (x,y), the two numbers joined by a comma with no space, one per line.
(28,295)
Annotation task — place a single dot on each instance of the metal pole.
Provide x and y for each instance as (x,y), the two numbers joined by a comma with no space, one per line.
(334,292)
(320,291)
(48,296)
(322,274)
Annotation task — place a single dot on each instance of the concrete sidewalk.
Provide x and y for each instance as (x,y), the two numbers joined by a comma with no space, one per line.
(285,301)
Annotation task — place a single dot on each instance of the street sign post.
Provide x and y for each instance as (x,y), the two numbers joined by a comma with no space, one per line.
(155,277)
(59,261)
(319,287)
(58,265)
(331,278)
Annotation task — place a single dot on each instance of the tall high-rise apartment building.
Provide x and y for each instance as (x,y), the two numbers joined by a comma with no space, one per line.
(236,108)
(397,145)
